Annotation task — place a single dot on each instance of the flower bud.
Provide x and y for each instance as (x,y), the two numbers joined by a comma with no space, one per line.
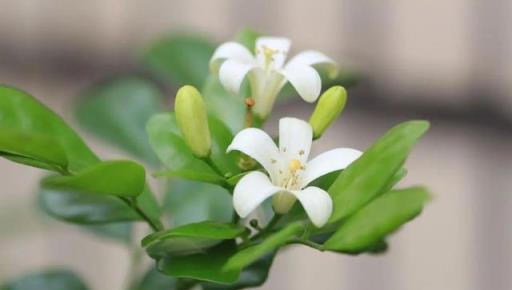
(192,120)
(328,108)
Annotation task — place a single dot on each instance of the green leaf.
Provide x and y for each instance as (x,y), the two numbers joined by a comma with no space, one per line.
(180,58)
(206,266)
(33,150)
(117,111)
(121,232)
(249,255)
(366,177)
(247,37)
(23,114)
(49,279)
(154,280)
(121,178)
(253,276)
(190,201)
(190,239)
(20,112)
(372,223)
(177,157)
(80,208)
(228,107)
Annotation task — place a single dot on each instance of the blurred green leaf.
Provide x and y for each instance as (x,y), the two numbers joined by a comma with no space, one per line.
(117,111)
(190,201)
(48,280)
(180,58)
(80,208)
(247,37)
(366,177)
(373,222)
(33,150)
(253,276)
(190,238)
(245,257)
(121,231)
(121,177)
(22,113)
(228,107)
(177,157)
(206,266)
(154,280)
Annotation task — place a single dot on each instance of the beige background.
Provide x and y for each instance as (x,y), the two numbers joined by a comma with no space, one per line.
(448,61)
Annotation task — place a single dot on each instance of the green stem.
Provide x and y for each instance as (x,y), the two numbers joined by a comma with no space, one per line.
(212,164)
(307,243)
(133,204)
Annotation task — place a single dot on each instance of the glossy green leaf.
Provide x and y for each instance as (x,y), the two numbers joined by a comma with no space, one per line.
(117,111)
(366,177)
(33,150)
(121,232)
(182,59)
(190,239)
(22,113)
(191,201)
(48,280)
(372,223)
(80,208)
(251,254)
(206,266)
(252,276)
(121,178)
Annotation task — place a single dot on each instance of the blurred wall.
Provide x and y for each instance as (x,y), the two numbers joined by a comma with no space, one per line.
(446,61)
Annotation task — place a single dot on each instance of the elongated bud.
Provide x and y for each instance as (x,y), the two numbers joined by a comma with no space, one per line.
(328,108)
(193,120)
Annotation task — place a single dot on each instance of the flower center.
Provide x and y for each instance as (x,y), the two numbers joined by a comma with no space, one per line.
(294,165)
(268,54)
(291,180)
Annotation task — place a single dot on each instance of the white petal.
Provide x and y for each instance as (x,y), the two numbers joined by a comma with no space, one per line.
(280,44)
(251,191)
(305,80)
(230,50)
(312,58)
(329,161)
(317,203)
(295,137)
(232,74)
(265,87)
(258,145)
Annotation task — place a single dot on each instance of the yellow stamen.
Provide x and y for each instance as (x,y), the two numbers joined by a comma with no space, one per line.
(268,53)
(294,165)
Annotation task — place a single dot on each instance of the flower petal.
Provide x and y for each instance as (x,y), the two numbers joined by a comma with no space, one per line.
(230,50)
(313,58)
(280,44)
(329,161)
(251,191)
(264,88)
(305,80)
(232,74)
(317,203)
(258,145)
(295,137)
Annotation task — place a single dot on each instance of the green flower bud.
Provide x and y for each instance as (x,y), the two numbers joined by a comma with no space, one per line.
(193,120)
(328,108)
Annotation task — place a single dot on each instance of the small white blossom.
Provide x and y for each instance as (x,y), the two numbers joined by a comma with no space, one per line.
(289,171)
(267,71)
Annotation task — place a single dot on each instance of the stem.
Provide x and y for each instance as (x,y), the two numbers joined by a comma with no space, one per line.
(307,243)
(210,162)
(133,204)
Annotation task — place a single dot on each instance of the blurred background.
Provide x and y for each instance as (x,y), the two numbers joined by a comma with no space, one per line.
(449,62)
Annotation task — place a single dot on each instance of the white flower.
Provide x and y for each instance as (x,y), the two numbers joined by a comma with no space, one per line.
(267,71)
(289,171)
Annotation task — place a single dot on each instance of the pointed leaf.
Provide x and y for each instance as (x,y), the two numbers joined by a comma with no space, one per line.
(366,177)
(191,238)
(373,222)
(121,178)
